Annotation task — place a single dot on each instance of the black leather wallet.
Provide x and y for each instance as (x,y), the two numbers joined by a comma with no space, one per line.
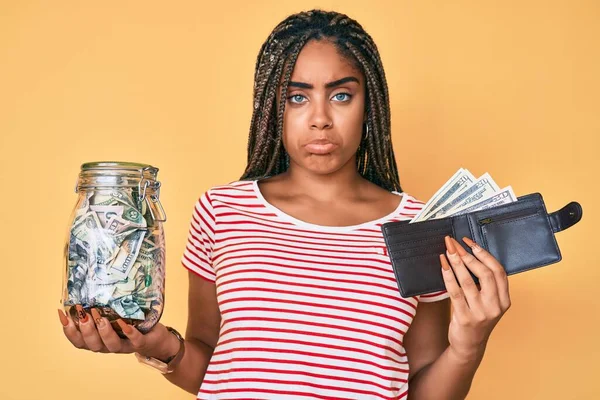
(520,235)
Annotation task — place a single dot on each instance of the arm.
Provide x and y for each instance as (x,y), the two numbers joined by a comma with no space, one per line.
(201,335)
(96,334)
(444,368)
(435,371)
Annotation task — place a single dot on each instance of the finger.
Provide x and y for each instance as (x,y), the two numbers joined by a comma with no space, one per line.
(457,298)
(487,280)
(63,318)
(138,340)
(462,275)
(88,330)
(71,331)
(497,269)
(112,341)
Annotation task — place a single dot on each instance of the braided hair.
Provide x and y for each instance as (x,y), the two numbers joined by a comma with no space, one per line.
(266,156)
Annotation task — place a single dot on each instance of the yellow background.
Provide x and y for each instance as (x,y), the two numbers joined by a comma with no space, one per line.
(507,87)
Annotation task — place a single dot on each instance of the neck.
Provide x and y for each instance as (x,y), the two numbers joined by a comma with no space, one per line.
(343,183)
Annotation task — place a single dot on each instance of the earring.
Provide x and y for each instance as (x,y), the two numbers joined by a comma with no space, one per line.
(366,134)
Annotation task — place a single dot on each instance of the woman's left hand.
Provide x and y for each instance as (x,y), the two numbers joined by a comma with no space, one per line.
(475,311)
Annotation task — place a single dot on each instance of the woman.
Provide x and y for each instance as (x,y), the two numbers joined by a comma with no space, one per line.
(291,293)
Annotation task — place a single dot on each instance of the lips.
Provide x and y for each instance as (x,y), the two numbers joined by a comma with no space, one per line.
(320,146)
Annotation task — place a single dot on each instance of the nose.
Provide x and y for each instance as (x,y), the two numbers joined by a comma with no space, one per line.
(321,116)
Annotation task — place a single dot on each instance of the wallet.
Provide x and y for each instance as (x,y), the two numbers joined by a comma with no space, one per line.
(520,235)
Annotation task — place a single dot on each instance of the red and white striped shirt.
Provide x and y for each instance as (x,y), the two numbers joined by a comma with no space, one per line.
(308,311)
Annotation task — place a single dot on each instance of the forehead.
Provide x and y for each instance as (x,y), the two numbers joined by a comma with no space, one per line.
(321,62)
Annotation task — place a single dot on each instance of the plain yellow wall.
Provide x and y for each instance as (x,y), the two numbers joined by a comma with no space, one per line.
(507,87)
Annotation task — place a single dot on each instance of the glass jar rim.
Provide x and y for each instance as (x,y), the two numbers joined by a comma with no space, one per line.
(115,164)
(106,174)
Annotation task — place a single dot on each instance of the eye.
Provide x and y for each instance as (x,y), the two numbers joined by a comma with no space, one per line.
(296,98)
(337,97)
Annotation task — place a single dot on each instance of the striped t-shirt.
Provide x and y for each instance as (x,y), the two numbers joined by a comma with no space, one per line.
(308,311)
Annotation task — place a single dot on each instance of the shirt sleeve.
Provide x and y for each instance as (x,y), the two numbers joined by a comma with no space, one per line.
(197,256)
(431,297)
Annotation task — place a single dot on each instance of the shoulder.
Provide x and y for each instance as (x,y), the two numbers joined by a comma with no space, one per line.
(380,196)
(235,189)
(218,198)
(411,203)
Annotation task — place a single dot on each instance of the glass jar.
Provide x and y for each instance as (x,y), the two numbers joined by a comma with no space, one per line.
(115,249)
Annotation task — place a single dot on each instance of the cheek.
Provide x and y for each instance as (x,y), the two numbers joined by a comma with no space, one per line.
(350,125)
(293,130)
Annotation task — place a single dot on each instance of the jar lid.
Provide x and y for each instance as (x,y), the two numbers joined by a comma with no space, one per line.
(107,174)
(116,164)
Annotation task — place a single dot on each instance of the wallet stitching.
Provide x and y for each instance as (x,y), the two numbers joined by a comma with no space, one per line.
(509,274)
(551,230)
(416,241)
(535,266)
(471,229)
(415,248)
(396,273)
(417,256)
(402,226)
(514,220)
(452,226)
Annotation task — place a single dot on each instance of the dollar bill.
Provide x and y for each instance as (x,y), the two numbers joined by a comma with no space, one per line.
(90,232)
(106,213)
(504,196)
(456,184)
(126,307)
(482,188)
(100,293)
(127,255)
(130,210)
(474,196)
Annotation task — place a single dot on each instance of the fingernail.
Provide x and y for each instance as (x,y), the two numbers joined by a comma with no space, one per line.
(445,265)
(474,246)
(63,318)
(124,327)
(81,314)
(97,318)
(459,249)
(450,246)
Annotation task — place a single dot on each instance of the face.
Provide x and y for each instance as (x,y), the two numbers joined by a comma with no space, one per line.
(324,111)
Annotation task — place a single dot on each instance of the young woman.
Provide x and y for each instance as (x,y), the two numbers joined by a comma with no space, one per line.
(291,291)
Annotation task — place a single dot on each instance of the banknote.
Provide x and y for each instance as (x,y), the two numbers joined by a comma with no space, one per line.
(113,199)
(128,253)
(89,231)
(106,213)
(459,182)
(481,188)
(474,195)
(504,196)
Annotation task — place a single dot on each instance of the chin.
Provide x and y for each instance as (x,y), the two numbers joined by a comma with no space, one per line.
(322,164)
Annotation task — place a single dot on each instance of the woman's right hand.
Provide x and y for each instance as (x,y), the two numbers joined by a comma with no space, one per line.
(95,333)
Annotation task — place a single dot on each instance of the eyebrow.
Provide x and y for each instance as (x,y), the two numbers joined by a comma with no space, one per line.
(328,85)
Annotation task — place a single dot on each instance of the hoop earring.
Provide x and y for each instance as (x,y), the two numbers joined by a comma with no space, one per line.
(366,134)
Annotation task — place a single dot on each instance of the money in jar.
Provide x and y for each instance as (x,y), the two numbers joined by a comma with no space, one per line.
(114,255)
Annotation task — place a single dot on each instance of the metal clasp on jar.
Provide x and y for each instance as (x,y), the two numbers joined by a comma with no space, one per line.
(153,201)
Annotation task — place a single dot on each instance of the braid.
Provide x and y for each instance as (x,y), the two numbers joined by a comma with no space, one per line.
(375,159)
